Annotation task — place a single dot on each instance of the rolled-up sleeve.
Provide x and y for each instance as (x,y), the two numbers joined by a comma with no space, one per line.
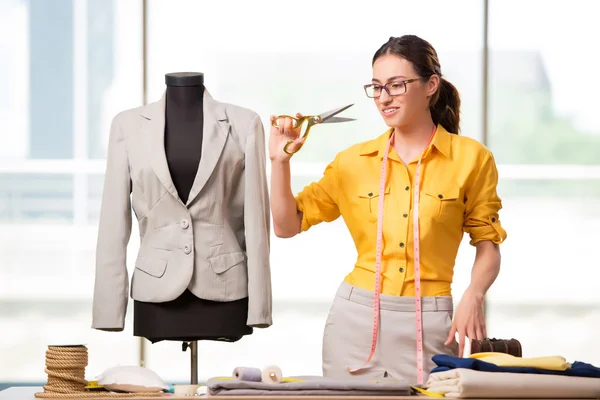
(482,221)
(318,201)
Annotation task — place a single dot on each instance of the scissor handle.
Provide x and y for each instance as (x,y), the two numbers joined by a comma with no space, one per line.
(297,122)
(285,148)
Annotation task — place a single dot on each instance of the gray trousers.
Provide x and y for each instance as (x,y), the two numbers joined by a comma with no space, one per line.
(349,329)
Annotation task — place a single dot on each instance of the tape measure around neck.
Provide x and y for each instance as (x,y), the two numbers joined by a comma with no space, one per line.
(417,261)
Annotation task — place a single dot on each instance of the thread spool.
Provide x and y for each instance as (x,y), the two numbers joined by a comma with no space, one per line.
(247,374)
(271,374)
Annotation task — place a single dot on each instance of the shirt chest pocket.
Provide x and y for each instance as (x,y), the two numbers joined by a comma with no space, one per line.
(444,203)
(367,202)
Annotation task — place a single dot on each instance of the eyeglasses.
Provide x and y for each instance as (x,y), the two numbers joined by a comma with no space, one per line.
(393,88)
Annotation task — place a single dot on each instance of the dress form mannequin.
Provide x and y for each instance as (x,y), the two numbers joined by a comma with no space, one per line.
(188,318)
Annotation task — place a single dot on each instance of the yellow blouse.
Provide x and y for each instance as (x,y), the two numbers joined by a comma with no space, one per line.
(458,194)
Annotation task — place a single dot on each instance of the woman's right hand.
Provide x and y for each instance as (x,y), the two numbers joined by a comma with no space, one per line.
(281,135)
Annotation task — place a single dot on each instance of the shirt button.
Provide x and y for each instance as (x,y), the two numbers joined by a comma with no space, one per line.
(401,244)
(406,188)
(187,249)
(185,223)
(405,215)
(370,194)
(401,269)
(493,219)
(440,196)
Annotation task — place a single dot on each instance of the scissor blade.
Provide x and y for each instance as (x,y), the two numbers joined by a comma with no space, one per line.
(333,120)
(326,115)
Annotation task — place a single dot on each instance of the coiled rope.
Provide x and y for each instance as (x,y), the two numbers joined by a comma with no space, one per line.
(65,367)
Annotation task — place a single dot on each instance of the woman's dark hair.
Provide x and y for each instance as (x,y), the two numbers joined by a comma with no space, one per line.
(445,103)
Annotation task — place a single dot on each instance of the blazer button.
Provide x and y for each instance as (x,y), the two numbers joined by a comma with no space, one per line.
(185,223)
(187,249)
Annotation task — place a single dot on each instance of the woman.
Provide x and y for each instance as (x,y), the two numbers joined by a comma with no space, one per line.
(424,162)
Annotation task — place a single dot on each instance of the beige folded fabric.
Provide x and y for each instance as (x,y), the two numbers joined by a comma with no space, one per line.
(467,383)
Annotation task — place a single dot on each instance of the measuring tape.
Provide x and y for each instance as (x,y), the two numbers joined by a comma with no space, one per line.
(376,300)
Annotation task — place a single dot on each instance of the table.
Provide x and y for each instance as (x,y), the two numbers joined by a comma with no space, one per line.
(27,393)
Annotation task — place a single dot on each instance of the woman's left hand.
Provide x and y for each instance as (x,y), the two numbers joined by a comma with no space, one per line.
(468,320)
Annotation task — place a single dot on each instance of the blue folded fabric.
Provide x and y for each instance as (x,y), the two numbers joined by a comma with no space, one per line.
(445,362)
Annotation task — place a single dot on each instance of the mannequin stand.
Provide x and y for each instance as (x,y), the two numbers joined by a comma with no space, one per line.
(193,346)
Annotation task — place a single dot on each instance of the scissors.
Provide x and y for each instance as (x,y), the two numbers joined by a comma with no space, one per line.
(324,118)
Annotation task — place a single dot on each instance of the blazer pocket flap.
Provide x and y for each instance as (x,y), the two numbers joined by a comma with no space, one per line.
(223,262)
(151,266)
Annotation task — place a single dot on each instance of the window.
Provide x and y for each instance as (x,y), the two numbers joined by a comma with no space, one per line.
(545,134)
(66,67)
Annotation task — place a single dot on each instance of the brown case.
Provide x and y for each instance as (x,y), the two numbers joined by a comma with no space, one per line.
(508,346)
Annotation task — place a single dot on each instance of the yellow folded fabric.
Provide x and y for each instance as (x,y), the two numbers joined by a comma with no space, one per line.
(553,363)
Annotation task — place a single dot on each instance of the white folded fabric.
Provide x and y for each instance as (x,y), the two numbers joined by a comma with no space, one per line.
(468,383)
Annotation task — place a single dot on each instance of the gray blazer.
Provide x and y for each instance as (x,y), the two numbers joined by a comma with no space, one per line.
(217,244)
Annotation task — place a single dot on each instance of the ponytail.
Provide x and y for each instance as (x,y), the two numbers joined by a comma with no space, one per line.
(445,109)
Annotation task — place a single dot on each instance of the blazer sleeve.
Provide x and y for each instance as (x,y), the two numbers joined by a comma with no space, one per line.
(257,228)
(111,284)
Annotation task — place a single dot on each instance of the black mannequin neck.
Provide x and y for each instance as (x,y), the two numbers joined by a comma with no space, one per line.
(185,93)
(185,98)
(184,121)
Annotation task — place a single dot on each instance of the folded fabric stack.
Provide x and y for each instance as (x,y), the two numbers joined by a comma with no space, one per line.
(307,385)
(499,375)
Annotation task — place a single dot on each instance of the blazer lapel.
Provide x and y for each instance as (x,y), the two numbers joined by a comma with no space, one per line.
(154,130)
(214,136)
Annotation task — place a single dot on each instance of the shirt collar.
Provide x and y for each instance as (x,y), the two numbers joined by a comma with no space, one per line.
(441,141)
